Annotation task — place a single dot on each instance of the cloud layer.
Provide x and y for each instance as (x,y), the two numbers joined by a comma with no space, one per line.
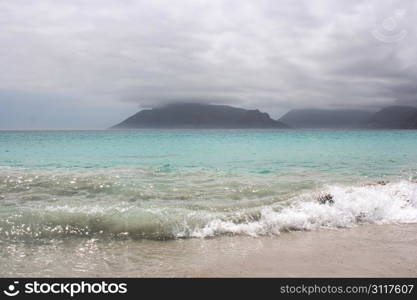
(274,55)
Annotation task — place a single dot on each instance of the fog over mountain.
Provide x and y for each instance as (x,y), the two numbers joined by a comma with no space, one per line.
(391,117)
(194,115)
(394,117)
(320,118)
(97,58)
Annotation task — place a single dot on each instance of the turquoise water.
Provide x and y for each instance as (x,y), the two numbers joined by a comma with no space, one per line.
(164,184)
(356,153)
(87,203)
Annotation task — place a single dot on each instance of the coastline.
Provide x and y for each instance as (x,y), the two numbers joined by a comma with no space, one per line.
(363,251)
(167,205)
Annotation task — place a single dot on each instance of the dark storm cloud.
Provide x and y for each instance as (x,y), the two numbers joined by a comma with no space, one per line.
(275,55)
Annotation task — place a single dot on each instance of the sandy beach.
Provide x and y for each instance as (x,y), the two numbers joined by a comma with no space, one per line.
(364,251)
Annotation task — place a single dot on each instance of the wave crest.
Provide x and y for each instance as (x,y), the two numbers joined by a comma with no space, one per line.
(394,202)
(372,204)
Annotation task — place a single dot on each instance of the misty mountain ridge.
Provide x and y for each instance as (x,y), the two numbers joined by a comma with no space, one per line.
(326,118)
(394,117)
(192,115)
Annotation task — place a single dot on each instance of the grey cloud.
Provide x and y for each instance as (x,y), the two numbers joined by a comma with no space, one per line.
(275,55)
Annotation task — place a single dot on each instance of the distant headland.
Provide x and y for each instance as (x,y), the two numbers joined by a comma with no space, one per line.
(188,115)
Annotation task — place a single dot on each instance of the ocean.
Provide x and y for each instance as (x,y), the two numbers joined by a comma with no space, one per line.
(72,201)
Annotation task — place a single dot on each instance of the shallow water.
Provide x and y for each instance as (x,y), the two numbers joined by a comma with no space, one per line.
(113,186)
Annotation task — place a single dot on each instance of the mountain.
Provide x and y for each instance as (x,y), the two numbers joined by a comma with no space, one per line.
(187,115)
(394,117)
(323,118)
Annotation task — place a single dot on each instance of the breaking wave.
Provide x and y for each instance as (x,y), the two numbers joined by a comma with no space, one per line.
(350,206)
(343,206)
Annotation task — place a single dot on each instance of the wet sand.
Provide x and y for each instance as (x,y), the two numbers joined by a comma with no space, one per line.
(364,251)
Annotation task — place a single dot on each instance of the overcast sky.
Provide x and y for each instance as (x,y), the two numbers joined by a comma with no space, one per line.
(91,63)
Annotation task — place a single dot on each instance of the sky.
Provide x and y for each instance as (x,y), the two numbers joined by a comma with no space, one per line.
(88,64)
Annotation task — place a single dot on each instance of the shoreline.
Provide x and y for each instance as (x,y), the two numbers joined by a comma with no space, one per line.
(363,251)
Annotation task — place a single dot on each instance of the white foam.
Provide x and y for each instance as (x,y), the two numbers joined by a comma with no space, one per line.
(380,204)
(395,202)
